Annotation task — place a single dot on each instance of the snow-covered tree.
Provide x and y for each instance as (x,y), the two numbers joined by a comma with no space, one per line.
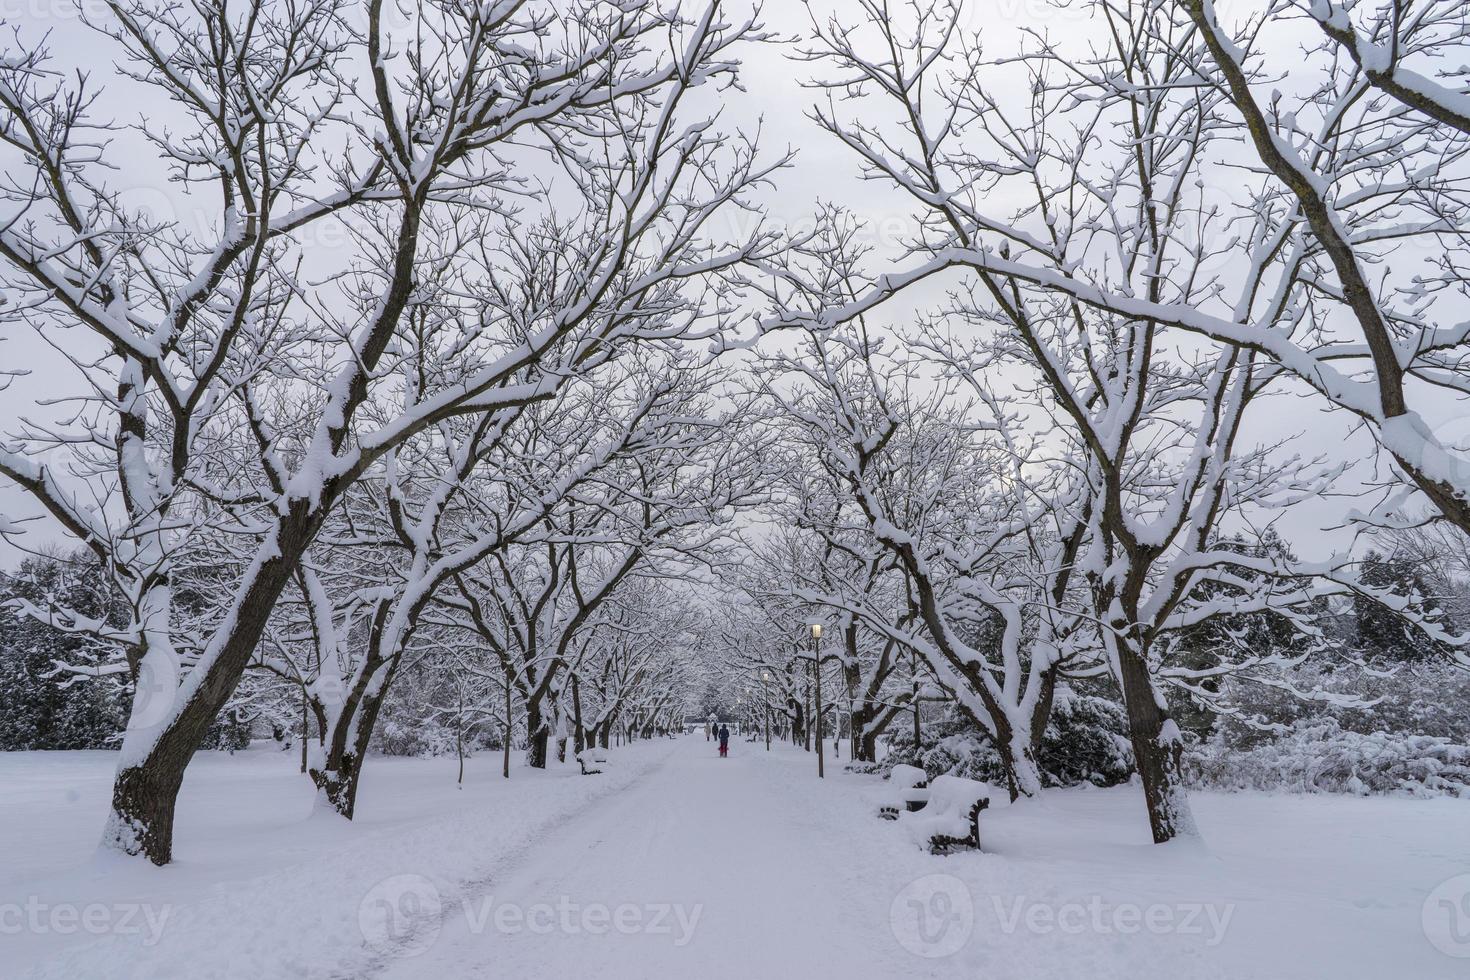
(653,512)
(48,703)
(237,382)
(1097,174)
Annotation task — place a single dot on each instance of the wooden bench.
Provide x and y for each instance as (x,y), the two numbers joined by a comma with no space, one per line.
(592,761)
(909,792)
(950,821)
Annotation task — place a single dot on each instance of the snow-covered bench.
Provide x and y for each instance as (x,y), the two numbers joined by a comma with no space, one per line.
(950,821)
(592,761)
(908,792)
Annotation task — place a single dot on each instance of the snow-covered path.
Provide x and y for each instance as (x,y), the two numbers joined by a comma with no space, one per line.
(711,870)
(677,863)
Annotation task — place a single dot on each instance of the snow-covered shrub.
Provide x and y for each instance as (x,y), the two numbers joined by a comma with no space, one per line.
(406,736)
(1418,699)
(227,734)
(963,754)
(1321,756)
(418,718)
(900,741)
(1085,742)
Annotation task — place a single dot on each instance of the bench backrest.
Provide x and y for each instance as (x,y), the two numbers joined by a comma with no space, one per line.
(907,777)
(956,794)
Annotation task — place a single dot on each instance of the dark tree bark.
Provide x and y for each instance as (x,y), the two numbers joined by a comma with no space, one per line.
(1159,756)
(145,793)
(577,731)
(341,772)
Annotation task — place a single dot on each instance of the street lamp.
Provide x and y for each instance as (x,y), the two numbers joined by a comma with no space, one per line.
(817,666)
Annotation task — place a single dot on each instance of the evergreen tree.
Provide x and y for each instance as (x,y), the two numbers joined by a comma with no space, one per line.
(1380,636)
(1201,647)
(41,709)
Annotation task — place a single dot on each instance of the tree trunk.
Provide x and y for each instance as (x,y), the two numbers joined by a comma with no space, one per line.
(1018,761)
(142,817)
(868,721)
(538,736)
(579,736)
(1041,714)
(145,791)
(536,748)
(337,786)
(1157,749)
(305,727)
(338,777)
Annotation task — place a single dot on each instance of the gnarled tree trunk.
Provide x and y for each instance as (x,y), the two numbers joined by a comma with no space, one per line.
(1157,749)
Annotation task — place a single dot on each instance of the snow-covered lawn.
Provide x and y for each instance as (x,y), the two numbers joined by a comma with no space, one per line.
(263,885)
(678,863)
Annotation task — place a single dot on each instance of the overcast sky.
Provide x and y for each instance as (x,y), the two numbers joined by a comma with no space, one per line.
(775,100)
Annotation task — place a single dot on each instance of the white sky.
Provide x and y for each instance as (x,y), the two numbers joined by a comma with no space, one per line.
(774,100)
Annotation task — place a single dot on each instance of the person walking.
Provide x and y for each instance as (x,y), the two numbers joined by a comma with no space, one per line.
(724,741)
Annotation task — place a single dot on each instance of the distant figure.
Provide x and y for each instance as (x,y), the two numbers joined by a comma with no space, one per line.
(709,731)
(724,741)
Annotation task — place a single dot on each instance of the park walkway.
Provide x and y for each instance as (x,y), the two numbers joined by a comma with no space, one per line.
(703,868)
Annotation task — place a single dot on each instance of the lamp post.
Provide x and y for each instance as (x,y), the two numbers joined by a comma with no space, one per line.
(817,715)
(806,705)
(766,700)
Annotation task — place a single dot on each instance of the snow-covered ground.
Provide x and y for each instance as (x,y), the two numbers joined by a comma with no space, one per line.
(678,863)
